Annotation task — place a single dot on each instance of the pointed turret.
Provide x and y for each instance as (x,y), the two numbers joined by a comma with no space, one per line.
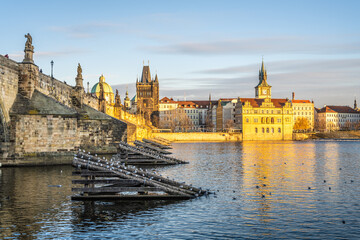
(156,78)
(355,105)
(262,75)
(263,89)
(145,77)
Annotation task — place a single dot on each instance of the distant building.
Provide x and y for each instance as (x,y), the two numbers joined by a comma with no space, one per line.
(225,114)
(167,113)
(303,111)
(147,96)
(333,118)
(264,118)
(204,111)
(188,116)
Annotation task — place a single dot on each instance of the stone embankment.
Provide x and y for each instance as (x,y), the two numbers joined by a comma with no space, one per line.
(200,137)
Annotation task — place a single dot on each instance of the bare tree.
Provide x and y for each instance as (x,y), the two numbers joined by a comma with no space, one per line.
(302,124)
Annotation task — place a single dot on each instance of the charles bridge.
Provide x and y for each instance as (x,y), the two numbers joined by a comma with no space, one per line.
(43,119)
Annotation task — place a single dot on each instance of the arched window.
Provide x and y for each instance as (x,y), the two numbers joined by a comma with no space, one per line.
(272,130)
(272,120)
(279,130)
(263,130)
(267,130)
(268,120)
(262,120)
(256,130)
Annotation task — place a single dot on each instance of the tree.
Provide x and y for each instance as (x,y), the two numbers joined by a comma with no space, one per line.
(229,124)
(302,124)
(208,123)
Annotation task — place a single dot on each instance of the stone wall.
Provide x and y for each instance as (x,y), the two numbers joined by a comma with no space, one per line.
(9,78)
(100,136)
(61,91)
(43,133)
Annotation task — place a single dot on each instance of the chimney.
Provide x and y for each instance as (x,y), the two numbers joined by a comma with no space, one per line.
(293,95)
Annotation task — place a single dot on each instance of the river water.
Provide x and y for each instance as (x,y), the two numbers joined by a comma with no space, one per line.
(264,190)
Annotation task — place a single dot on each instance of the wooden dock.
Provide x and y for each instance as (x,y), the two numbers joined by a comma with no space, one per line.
(163,140)
(150,147)
(157,143)
(139,155)
(113,180)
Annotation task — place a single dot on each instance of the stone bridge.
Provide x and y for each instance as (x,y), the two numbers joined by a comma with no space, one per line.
(43,119)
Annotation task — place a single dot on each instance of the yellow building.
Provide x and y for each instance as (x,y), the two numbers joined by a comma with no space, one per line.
(264,118)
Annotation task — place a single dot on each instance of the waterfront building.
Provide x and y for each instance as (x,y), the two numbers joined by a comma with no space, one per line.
(188,115)
(225,114)
(333,118)
(167,113)
(204,111)
(147,96)
(262,117)
(303,111)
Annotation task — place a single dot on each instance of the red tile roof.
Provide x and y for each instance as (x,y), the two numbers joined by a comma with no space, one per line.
(256,102)
(338,109)
(186,104)
(300,101)
(167,100)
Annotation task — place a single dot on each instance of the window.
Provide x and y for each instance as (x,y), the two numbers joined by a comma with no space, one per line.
(279,130)
(267,130)
(279,120)
(263,130)
(256,130)
(247,120)
(255,120)
(262,120)
(272,120)
(272,130)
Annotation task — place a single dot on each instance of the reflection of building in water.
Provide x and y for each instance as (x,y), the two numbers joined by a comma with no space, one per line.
(280,168)
(330,157)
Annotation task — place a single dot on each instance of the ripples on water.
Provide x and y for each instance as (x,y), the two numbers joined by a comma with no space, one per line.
(262,191)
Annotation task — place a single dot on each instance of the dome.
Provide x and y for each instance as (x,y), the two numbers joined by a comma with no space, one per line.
(107,88)
(96,87)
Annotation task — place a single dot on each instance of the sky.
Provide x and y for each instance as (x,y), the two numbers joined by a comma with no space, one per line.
(197,48)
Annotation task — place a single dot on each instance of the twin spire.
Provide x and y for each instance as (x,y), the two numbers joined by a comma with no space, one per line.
(262,75)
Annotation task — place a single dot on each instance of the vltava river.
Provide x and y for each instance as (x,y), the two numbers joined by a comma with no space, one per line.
(264,190)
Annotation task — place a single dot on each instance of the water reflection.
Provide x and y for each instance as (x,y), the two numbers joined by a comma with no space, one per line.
(262,191)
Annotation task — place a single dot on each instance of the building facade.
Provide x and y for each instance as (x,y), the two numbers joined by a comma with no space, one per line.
(304,114)
(334,118)
(147,96)
(264,118)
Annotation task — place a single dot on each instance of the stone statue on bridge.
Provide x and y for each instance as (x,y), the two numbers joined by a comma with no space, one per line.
(29,49)
(28,41)
(79,71)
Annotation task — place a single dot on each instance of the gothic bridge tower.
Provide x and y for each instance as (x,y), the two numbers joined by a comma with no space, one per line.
(147,93)
(263,89)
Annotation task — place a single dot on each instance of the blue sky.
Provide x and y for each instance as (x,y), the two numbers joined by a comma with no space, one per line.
(196,47)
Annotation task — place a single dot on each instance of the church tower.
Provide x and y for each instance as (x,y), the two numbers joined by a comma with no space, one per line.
(147,94)
(263,89)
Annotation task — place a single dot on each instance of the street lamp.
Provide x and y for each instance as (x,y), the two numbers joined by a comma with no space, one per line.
(52,67)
